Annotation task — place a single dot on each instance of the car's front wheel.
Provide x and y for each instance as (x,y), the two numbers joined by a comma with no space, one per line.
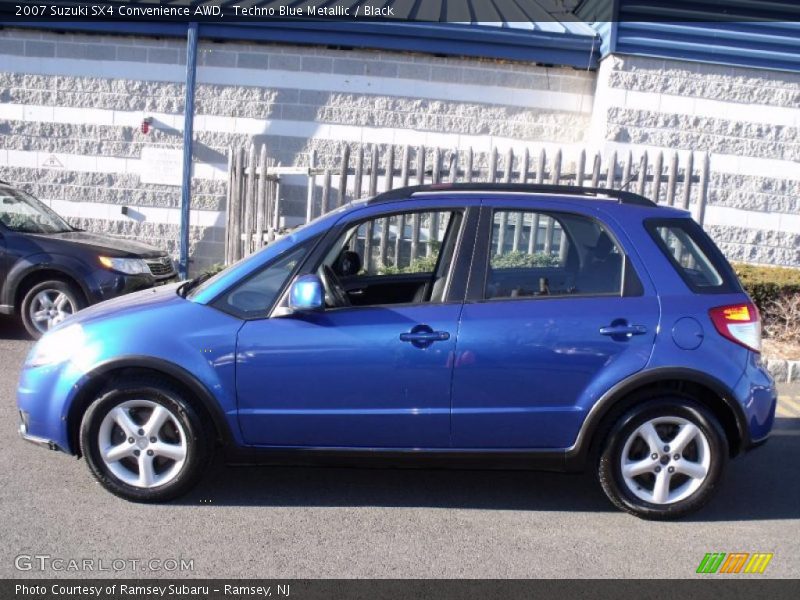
(144,441)
(663,459)
(47,304)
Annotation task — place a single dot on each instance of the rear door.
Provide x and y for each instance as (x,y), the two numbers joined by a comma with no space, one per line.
(558,309)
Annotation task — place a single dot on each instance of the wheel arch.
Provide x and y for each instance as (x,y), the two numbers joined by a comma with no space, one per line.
(20,283)
(100,376)
(703,388)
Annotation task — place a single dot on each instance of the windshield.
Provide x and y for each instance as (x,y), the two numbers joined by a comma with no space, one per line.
(19,211)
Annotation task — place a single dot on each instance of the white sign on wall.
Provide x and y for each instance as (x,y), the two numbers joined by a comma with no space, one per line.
(161,165)
(52,162)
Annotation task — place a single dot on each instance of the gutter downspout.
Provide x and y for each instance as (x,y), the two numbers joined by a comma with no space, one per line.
(188,137)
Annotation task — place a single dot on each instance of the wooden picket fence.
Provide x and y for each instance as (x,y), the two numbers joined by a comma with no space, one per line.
(254,207)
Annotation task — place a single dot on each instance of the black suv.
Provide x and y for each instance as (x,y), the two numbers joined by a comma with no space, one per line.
(49,269)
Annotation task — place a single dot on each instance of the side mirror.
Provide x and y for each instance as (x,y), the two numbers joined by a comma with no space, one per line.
(306,294)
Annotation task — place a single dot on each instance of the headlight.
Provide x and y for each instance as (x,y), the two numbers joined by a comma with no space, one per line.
(57,346)
(130,266)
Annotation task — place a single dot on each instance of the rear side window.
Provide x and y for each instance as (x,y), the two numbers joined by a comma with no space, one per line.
(697,260)
(541,254)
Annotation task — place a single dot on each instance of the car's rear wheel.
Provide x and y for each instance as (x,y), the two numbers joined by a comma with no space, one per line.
(47,304)
(144,441)
(663,459)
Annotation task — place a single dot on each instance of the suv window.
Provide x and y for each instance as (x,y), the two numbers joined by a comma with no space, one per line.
(19,211)
(254,296)
(692,254)
(541,254)
(396,259)
(395,244)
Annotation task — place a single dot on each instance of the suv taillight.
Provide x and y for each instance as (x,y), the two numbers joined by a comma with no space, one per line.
(740,323)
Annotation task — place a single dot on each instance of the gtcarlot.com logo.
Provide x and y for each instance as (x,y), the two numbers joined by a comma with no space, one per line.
(734,562)
(46,562)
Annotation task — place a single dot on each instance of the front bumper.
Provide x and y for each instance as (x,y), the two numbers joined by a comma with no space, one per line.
(38,441)
(44,395)
(109,284)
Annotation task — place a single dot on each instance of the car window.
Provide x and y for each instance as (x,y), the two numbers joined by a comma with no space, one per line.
(391,245)
(691,253)
(398,258)
(19,211)
(255,295)
(536,254)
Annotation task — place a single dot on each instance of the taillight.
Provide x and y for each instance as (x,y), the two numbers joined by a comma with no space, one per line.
(740,323)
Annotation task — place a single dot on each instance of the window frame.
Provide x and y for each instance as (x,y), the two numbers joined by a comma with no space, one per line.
(630,282)
(462,254)
(355,225)
(730,282)
(219,301)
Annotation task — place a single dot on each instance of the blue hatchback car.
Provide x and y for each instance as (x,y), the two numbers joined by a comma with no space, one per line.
(518,326)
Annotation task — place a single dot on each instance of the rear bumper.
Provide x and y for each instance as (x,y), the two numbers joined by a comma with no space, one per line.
(757,444)
(758,397)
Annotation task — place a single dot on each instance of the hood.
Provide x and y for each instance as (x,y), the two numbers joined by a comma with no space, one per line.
(102,244)
(143,300)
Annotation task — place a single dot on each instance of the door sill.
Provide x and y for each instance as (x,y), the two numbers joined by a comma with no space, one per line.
(446,458)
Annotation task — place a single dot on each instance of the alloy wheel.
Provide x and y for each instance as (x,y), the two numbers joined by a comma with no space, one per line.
(49,307)
(665,460)
(142,443)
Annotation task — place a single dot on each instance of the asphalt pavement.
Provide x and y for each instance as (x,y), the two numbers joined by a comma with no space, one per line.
(322,522)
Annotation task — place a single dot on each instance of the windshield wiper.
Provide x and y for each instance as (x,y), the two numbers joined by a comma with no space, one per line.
(187,287)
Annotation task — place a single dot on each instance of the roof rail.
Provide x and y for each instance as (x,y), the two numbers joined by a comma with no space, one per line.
(621,196)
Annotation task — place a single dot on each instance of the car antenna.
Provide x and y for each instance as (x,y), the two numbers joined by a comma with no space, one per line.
(625,185)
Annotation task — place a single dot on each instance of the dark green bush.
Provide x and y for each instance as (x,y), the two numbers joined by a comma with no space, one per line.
(518,259)
(426,264)
(767,285)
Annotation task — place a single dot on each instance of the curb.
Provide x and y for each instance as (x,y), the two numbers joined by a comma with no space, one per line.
(784,371)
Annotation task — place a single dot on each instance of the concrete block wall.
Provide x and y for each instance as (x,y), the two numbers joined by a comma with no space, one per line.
(71,106)
(748,119)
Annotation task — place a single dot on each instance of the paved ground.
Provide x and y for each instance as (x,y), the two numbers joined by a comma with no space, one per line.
(293,522)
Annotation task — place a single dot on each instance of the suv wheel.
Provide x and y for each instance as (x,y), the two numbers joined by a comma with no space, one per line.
(663,459)
(144,442)
(48,303)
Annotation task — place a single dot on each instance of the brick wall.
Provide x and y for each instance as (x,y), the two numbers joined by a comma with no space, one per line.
(748,119)
(72,106)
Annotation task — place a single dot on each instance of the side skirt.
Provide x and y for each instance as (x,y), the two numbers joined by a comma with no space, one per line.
(541,460)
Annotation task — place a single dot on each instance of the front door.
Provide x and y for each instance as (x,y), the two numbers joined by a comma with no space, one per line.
(374,369)
(346,378)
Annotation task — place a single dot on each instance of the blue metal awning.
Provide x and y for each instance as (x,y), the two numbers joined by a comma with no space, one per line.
(522,30)
(747,33)
(535,44)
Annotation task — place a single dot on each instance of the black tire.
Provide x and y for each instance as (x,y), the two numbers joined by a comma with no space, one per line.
(197,437)
(610,464)
(56,285)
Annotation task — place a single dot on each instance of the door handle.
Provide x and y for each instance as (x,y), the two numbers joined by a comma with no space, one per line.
(422,336)
(623,330)
(358,292)
(433,336)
